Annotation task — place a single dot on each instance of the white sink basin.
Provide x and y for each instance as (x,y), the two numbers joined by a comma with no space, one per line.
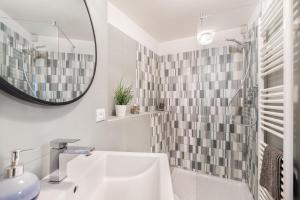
(113,176)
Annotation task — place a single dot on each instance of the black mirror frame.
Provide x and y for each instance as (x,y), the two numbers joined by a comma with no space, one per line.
(8,88)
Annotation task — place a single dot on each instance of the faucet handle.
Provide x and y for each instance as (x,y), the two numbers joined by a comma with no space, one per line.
(61,143)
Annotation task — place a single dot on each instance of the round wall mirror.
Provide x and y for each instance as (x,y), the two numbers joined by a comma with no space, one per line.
(47,50)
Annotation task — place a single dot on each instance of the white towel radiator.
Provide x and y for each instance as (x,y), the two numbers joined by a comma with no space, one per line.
(275,89)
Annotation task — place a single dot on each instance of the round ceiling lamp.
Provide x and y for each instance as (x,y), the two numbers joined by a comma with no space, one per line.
(204,37)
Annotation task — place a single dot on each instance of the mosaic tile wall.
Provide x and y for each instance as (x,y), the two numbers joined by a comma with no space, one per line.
(161,132)
(196,87)
(12,61)
(147,79)
(51,76)
(197,132)
(61,77)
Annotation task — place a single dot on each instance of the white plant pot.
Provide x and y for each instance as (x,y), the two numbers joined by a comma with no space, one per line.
(121,110)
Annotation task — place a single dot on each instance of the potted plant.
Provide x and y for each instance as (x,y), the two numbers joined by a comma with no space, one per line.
(123,95)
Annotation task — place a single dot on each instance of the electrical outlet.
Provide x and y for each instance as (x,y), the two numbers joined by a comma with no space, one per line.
(100,115)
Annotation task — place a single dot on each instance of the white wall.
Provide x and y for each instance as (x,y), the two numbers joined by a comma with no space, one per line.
(122,22)
(26,125)
(122,63)
(254,17)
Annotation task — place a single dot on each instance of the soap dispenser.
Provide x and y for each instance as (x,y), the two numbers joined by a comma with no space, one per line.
(17,184)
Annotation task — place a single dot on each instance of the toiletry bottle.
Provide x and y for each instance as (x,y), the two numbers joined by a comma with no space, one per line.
(17,184)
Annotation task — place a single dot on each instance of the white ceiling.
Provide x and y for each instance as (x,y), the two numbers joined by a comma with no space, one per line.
(173,19)
(71,15)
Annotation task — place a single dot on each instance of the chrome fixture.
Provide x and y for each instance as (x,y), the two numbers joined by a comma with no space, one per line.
(235,41)
(58,169)
(64,34)
(15,169)
(239,44)
(248,90)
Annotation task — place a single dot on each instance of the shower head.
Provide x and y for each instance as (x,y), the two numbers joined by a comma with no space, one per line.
(235,41)
(241,45)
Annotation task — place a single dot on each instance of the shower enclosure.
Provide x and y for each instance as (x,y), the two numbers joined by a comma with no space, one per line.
(212,98)
(209,123)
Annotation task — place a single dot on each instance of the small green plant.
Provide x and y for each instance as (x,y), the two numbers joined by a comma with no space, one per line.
(123,94)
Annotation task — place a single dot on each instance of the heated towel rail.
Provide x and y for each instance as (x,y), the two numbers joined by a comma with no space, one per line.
(275,89)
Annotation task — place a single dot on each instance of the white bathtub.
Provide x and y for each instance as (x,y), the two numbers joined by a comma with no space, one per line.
(194,186)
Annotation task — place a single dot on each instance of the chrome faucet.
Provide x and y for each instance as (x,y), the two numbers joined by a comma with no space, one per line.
(58,169)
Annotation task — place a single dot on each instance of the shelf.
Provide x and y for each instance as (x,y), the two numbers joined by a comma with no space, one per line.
(115,118)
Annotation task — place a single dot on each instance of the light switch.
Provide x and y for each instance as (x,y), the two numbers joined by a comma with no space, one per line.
(100,115)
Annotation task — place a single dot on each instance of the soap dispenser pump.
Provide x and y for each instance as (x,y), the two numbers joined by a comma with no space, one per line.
(17,184)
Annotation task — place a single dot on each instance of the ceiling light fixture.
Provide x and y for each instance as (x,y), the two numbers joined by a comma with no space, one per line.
(204,37)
